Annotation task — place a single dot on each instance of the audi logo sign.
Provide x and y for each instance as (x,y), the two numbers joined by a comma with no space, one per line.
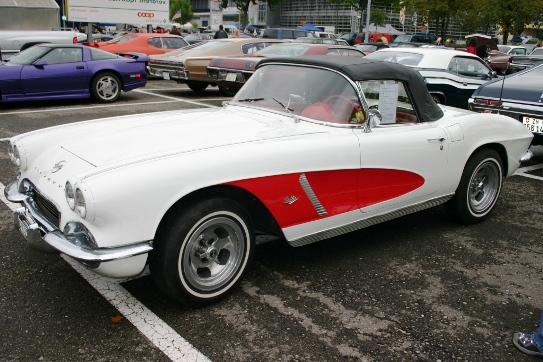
(142,14)
(134,12)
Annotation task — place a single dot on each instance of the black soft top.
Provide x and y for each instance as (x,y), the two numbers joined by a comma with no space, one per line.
(360,69)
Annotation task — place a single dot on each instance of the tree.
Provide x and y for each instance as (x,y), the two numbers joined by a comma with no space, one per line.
(243,7)
(182,6)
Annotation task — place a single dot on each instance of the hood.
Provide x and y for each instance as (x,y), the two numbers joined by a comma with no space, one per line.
(128,139)
(523,86)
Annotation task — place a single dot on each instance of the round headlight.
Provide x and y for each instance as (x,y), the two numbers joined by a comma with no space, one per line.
(80,205)
(70,195)
(16,156)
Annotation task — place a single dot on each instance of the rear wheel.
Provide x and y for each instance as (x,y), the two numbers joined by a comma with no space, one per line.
(202,251)
(106,87)
(479,187)
(197,87)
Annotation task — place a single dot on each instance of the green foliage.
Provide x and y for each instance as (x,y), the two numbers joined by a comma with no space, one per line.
(183,6)
(378,16)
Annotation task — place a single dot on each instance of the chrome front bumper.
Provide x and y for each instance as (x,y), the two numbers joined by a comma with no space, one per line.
(42,234)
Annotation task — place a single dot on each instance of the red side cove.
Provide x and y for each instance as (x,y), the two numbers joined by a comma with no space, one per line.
(338,191)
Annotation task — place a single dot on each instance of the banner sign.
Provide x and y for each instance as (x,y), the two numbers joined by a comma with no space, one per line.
(136,12)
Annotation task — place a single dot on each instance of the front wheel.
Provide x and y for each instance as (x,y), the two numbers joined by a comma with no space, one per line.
(479,187)
(202,251)
(106,87)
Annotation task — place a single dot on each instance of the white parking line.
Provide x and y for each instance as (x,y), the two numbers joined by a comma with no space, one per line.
(523,171)
(90,107)
(4,139)
(149,324)
(174,98)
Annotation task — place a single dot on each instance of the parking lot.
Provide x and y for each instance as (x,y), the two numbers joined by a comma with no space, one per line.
(421,287)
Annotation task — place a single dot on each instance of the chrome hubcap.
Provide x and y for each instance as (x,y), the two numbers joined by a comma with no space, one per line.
(484,186)
(214,253)
(107,87)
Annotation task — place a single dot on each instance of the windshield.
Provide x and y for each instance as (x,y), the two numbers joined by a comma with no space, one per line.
(289,50)
(123,38)
(405,58)
(405,38)
(299,90)
(29,55)
(366,47)
(503,48)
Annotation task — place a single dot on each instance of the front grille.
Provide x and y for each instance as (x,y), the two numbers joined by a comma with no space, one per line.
(48,209)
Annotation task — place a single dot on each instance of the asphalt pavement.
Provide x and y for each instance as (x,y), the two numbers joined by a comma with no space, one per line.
(421,287)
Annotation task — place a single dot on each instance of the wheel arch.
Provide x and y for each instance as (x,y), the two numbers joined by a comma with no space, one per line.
(440,95)
(261,217)
(106,70)
(499,148)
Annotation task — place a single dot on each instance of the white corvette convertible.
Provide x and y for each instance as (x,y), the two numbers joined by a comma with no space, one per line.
(309,148)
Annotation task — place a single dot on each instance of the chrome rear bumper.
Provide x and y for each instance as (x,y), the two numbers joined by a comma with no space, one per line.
(42,234)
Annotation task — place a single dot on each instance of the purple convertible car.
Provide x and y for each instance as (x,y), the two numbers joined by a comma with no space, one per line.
(55,71)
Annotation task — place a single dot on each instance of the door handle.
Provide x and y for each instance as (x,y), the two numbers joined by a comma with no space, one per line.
(441,139)
(79,67)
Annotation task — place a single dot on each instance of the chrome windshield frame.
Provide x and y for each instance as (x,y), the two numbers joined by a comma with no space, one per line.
(355,85)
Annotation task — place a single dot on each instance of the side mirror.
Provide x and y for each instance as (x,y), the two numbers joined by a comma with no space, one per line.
(374,119)
(40,63)
(493,74)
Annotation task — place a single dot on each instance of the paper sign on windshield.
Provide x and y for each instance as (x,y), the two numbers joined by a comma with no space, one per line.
(388,101)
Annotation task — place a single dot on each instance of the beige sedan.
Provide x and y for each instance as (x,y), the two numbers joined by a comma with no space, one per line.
(189,65)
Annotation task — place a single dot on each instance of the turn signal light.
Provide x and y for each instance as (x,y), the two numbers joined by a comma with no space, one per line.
(487,102)
(137,75)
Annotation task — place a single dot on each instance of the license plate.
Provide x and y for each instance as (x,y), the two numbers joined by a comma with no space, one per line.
(23,227)
(166,75)
(533,124)
(231,77)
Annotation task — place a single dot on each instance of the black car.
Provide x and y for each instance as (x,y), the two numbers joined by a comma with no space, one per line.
(417,38)
(519,96)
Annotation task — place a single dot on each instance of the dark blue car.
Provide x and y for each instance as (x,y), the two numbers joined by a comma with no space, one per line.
(58,71)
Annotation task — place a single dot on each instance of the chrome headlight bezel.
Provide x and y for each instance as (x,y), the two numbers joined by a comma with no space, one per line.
(69,194)
(17,155)
(80,203)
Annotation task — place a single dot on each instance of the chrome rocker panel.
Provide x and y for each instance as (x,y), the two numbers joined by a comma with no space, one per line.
(41,234)
(361,224)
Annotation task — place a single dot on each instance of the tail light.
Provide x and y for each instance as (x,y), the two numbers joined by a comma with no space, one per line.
(136,75)
(487,102)
(74,40)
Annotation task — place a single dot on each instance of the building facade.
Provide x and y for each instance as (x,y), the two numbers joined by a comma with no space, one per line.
(207,13)
(337,18)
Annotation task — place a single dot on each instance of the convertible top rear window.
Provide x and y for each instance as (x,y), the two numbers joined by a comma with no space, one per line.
(405,58)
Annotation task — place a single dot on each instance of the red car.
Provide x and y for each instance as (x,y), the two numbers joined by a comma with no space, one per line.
(146,43)
(231,73)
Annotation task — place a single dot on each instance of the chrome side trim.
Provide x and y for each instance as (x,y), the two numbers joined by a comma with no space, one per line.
(304,182)
(326,234)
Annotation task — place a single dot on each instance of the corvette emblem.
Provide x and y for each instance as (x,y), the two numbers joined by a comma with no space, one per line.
(58,166)
(289,200)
